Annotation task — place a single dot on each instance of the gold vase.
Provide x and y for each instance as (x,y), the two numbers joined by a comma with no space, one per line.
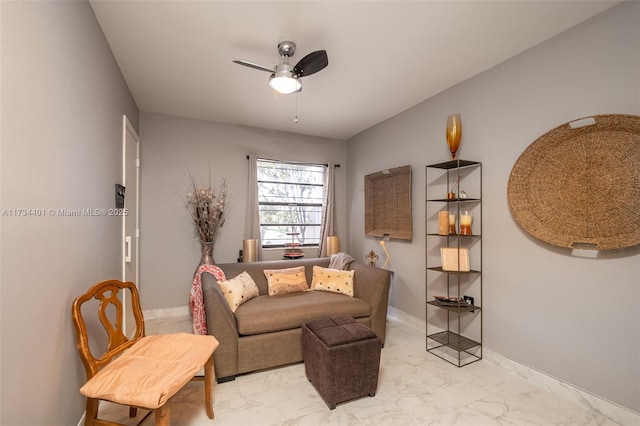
(454,133)
(333,245)
(249,250)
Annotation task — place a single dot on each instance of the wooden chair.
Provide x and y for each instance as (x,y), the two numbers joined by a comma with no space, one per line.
(143,371)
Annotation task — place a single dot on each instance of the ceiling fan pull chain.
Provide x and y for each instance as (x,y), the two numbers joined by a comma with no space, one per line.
(295,120)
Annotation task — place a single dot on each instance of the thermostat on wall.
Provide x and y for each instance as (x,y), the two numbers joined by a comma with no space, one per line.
(119,196)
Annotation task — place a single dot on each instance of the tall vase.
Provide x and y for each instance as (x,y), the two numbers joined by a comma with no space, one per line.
(207,253)
(454,133)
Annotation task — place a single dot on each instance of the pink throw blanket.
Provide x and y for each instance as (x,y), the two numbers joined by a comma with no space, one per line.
(196,301)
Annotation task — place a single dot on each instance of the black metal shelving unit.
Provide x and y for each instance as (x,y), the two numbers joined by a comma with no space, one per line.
(454,332)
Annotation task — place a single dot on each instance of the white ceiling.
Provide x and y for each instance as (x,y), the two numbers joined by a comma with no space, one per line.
(384,56)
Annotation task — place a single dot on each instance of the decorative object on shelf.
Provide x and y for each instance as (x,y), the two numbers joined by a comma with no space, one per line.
(452,195)
(443,222)
(372,258)
(333,245)
(206,207)
(450,301)
(463,195)
(292,248)
(387,203)
(452,223)
(576,186)
(249,250)
(465,223)
(454,133)
(455,259)
(383,244)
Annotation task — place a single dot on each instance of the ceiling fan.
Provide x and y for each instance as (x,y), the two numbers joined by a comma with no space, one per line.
(285,78)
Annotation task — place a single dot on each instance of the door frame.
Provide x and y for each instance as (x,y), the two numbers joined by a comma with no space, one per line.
(127,127)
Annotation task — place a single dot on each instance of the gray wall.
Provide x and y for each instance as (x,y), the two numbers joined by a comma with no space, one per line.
(172,147)
(63,98)
(570,316)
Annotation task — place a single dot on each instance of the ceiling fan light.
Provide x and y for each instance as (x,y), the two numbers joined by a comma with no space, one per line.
(285,84)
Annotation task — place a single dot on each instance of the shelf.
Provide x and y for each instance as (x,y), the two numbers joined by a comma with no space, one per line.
(439,269)
(455,200)
(454,235)
(469,308)
(454,164)
(454,340)
(442,340)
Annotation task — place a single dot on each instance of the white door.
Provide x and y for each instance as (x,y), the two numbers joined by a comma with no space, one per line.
(131,221)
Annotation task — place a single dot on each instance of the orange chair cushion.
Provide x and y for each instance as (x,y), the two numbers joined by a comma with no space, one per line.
(152,370)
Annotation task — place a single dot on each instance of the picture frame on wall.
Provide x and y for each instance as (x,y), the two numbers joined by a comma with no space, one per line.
(455,259)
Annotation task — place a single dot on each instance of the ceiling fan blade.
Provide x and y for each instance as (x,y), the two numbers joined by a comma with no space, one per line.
(312,63)
(254,66)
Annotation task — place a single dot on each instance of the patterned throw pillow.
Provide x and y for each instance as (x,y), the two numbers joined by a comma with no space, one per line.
(334,280)
(283,281)
(238,290)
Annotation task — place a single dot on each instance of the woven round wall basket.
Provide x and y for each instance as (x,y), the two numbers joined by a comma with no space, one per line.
(578,185)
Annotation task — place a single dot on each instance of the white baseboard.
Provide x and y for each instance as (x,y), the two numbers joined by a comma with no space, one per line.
(81,422)
(406,318)
(167,312)
(587,400)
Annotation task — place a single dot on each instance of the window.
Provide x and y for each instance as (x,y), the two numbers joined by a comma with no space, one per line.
(290,197)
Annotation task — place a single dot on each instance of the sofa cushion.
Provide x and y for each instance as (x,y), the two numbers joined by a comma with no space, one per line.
(256,269)
(265,314)
(238,290)
(283,281)
(325,279)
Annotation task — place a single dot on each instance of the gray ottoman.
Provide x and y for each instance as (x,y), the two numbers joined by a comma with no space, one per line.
(341,358)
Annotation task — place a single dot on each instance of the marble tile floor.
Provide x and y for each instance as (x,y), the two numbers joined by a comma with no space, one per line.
(414,388)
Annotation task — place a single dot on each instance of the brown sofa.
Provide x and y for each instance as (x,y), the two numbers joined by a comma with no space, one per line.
(266,331)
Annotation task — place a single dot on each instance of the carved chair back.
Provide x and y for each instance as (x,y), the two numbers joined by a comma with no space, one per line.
(109,295)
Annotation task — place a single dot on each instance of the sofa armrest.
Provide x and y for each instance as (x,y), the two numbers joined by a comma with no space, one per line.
(221,323)
(372,285)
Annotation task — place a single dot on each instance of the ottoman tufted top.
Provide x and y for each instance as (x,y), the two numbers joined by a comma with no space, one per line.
(339,330)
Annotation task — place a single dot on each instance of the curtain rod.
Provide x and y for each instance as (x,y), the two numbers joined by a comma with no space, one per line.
(295,162)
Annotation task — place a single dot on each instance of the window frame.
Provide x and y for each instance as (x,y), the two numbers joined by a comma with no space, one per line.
(319,205)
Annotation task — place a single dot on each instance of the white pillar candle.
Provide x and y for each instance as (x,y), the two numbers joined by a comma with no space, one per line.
(452,223)
(465,223)
(465,219)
